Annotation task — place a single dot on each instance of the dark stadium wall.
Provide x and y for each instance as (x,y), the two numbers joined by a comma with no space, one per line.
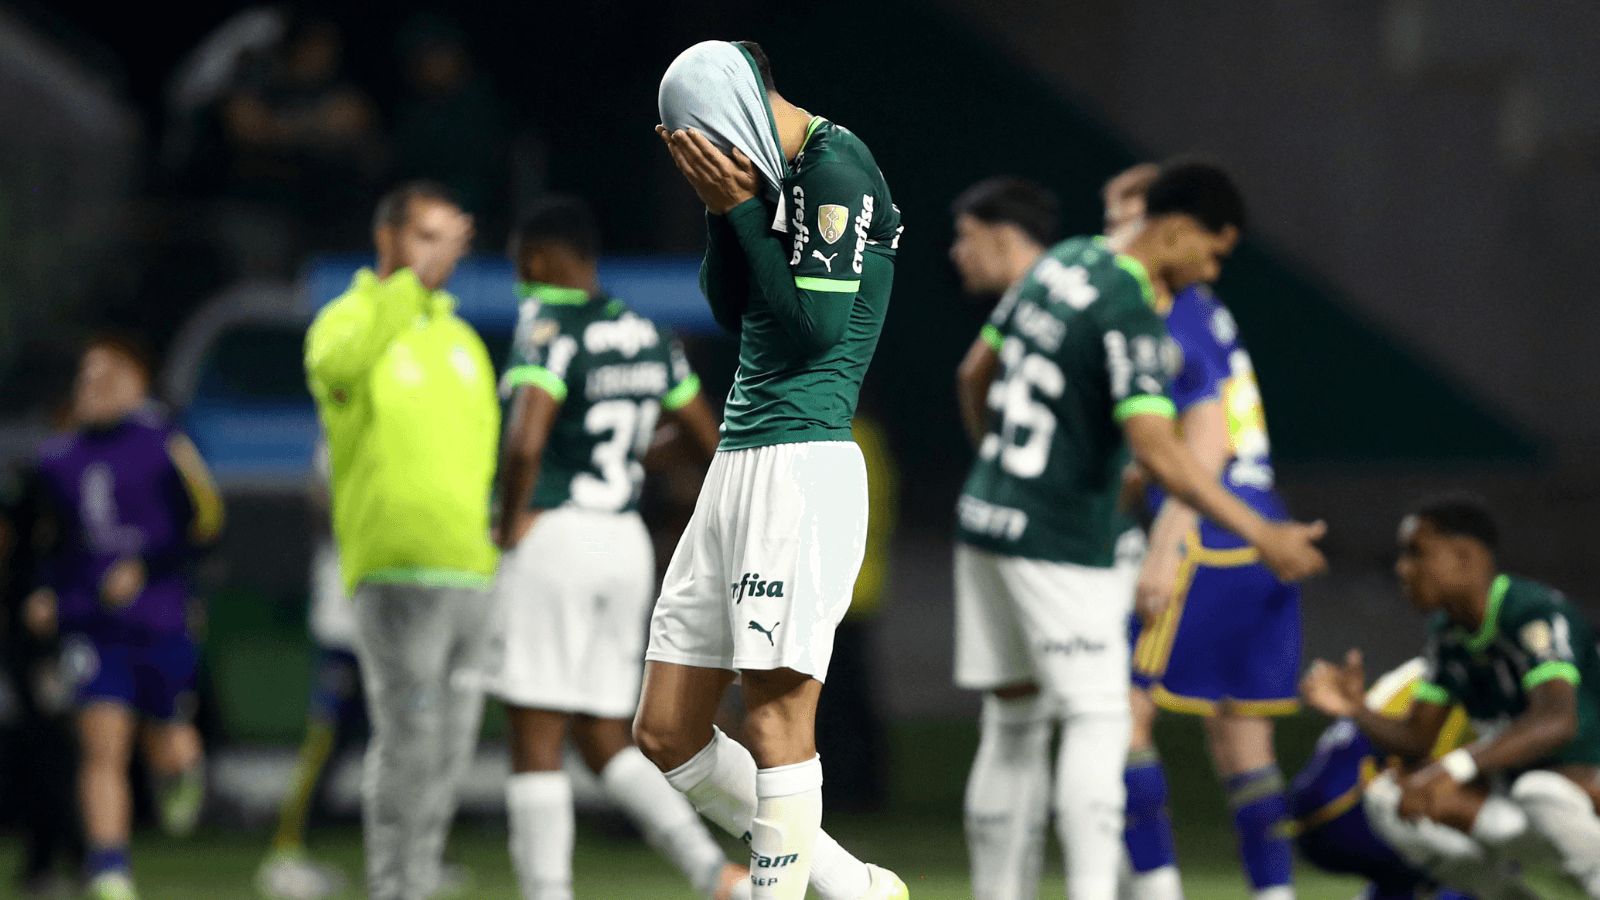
(1433,161)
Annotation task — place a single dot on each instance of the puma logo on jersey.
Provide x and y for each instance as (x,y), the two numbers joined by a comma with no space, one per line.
(766,631)
(826,260)
(750,585)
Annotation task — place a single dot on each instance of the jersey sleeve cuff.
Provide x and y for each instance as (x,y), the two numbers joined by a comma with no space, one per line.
(991,336)
(1550,671)
(678,397)
(539,377)
(1142,405)
(1431,693)
(827,285)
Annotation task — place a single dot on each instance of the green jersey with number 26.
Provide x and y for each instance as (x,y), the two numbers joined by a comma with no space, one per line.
(1081,351)
(613,372)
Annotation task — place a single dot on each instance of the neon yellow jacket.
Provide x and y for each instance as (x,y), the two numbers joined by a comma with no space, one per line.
(406,393)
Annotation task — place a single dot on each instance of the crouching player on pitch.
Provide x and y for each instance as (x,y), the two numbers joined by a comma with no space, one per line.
(1331,828)
(132,502)
(590,379)
(1521,659)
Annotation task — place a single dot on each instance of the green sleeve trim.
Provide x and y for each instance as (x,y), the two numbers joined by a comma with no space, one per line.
(551,294)
(539,377)
(1140,274)
(992,336)
(440,578)
(1550,671)
(1426,692)
(827,285)
(1144,404)
(687,390)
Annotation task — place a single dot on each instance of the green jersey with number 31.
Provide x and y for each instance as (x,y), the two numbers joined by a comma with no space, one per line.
(613,372)
(1081,350)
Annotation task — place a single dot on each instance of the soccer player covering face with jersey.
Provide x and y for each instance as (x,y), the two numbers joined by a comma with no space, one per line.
(1223,640)
(1522,660)
(588,381)
(799,260)
(1084,362)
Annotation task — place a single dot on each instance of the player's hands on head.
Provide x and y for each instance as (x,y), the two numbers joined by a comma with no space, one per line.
(1291,550)
(1336,691)
(720,181)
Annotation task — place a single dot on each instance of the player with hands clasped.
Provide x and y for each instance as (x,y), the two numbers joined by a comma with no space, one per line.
(1084,363)
(801,238)
(1522,661)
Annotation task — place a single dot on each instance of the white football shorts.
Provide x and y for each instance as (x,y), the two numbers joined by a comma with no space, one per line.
(571,603)
(765,569)
(1061,626)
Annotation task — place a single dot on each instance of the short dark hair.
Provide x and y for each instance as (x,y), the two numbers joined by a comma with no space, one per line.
(559,217)
(1008,199)
(763,65)
(1460,514)
(127,346)
(1198,189)
(394,207)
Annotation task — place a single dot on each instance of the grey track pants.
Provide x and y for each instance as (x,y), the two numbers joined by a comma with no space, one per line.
(421,651)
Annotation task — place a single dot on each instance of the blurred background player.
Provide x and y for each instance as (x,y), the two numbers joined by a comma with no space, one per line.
(1522,661)
(336,718)
(405,391)
(1003,226)
(1221,635)
(1043,609)
(588,381)
(131,502)
(1331,827)
(802,235)
(44,772)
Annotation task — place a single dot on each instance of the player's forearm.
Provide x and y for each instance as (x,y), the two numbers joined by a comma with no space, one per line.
(815,320)
(1172,526)
(1396,736)
(1550,723)
(722,274)
(520,474)
(348,339)
(974,377)
(1177,471)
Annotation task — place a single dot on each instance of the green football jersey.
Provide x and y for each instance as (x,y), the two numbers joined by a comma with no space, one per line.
(1081,350)
(806,287)
(613,372)
(1531,634)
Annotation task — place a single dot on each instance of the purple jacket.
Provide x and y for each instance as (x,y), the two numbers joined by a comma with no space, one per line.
(135,490)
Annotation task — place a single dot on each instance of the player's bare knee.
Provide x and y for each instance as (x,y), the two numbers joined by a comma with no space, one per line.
(662,741)
(1016,691)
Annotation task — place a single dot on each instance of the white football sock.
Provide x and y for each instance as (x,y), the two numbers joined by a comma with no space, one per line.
(788,818)
(1157,884)
(1007,799)
(1089,798)
(669,823)
(539,807)
(720,781)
